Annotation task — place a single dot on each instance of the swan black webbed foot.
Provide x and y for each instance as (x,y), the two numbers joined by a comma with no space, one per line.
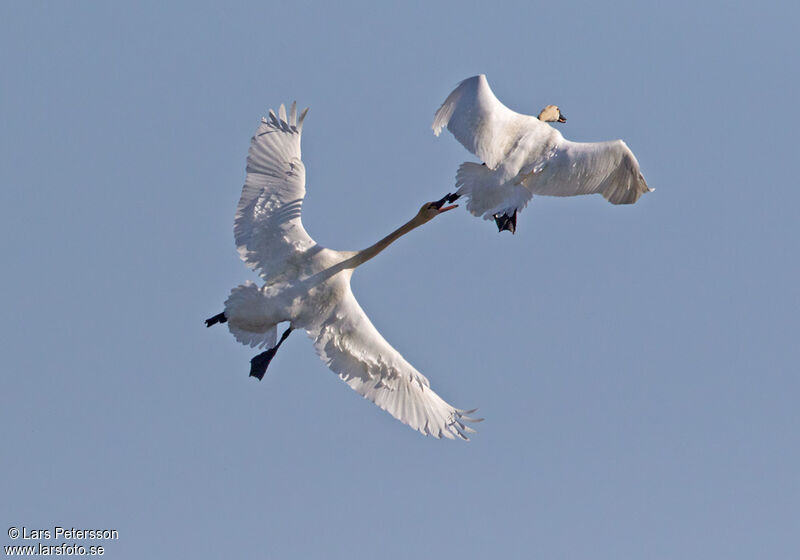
(506,222)
(218,318)
(448,198)
(259,364)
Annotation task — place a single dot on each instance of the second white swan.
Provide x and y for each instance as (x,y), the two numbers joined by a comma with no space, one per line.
(524,156)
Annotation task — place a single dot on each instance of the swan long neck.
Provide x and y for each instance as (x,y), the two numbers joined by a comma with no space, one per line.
(370,252)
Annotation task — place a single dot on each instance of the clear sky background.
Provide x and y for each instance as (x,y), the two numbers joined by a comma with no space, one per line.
(636,366)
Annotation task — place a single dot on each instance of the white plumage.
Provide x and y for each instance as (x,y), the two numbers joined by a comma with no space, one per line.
(525,156)
(309,286)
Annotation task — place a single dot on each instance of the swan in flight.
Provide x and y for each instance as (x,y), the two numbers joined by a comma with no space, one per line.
(524,156)
(308,286)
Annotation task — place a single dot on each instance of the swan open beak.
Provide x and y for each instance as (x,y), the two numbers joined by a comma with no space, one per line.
(449,197)
(561,118)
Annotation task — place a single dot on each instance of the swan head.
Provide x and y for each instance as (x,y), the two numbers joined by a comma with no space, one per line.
(430,210)
(551,113)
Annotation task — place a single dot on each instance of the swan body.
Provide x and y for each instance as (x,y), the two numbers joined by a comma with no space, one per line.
(524,156)
(308,286)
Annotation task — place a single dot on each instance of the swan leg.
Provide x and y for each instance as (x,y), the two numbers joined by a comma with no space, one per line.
(506,222)
(449,197)
(259,364)
(218,318)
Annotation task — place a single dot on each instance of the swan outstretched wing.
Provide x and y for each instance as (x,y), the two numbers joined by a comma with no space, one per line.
(268,229)
(478,120)
(353,348)
(574,168)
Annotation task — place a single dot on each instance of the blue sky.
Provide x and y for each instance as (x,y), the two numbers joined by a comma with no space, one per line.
(636,366)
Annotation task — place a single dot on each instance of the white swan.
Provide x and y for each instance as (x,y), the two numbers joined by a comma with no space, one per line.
(309,286)
(524,156)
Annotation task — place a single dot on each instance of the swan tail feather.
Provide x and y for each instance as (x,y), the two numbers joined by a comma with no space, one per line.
(247,313)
